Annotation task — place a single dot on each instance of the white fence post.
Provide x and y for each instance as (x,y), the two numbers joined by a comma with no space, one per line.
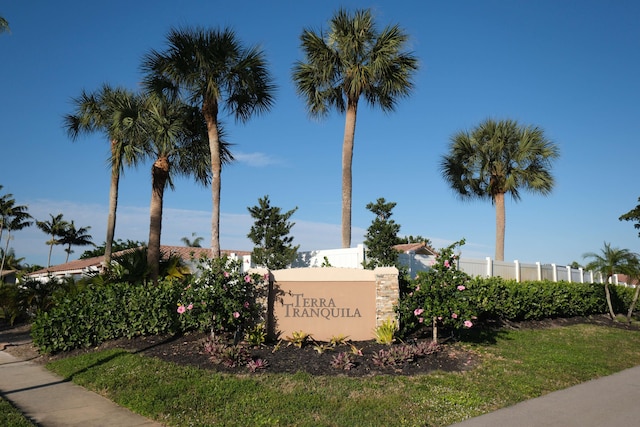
(489,267)
(569,273)
(517,267)
(539,268)
(581,270)
(554,269)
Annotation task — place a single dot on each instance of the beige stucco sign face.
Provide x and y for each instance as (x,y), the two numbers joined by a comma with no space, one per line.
(326,309)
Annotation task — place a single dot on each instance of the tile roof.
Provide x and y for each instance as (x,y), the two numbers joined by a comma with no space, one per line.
(80,265)
(419,248)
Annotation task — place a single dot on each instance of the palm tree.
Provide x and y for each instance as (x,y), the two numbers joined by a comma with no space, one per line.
(73,236)
(496,158)
(111,111)
(195,243)
(55,228)
(632,270)
(351,61)
(213,70)
(12,218)
(633,215)
(176,137)
(609,262)
(4,25)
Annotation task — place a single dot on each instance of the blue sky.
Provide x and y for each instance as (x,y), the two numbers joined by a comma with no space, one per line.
(570,67)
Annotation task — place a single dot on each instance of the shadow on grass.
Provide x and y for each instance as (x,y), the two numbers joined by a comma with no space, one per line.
(119,352)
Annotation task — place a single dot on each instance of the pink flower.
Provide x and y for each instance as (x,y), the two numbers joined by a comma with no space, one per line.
(236,314)
(266,277)
(420,320)
(418,311)
(417,288)
(468,324)
(246,304)
(439,317)
(247,279)
(190,307)
(446,263)
(181,309)
(225,274)
(454,315)
(461,287)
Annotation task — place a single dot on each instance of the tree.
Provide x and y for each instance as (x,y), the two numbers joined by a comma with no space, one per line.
(270,235)
(381,236)
(55,228)
(73,236)
(496,158)
(609,262)
(175,137)
(12,218)
(633,215)
(195,243)
(118,246)
(353,60)
(414,239)
(212,69)
(4,25)
(632,270)
(111,111)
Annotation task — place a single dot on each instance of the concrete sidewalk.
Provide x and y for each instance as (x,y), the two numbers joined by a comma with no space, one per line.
(50,401)
(609,401)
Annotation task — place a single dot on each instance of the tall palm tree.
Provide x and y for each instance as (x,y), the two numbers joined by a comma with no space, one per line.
(55,228)
(496,158)
(212,70)
(4,25)
(633,215)
(73,236)
(609,262)
(353,60)
(111,111)
(176,138)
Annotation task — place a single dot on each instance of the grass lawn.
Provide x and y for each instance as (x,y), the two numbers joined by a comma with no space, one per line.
(514,366)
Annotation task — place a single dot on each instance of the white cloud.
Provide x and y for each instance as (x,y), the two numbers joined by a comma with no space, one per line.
(255,159)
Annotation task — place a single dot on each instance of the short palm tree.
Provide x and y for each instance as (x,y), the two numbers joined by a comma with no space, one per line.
(111,111)
(73,236)
(176,138)
(195,243)
(12,218)
(609,262)
(496,158)
(353,60)
(212,70)
(55,228)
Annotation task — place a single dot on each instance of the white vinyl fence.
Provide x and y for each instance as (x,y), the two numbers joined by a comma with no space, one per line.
(354,258)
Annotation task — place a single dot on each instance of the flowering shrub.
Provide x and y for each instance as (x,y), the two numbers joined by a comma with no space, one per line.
(438,297)
(220,298)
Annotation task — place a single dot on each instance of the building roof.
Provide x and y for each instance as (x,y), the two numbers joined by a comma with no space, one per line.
(417,248)
(81,265)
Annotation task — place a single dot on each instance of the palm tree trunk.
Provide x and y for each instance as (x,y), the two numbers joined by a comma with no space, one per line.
(607,293)
(633,303)
(4,255)
(159,176)
(500,226)
(53,237)
(113,206)
(347,161)
(210,115)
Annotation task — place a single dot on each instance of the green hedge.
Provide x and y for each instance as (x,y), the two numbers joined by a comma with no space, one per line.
(497,298)
(103,312)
